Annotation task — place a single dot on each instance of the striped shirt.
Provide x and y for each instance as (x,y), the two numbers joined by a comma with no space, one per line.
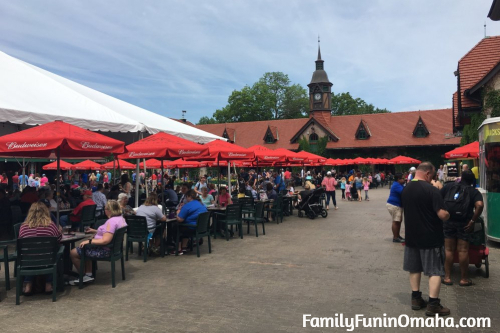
(49,231)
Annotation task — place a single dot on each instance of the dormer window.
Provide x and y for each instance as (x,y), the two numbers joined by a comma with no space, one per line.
(271,135)
(313,142)
(363,131)
(420,130)
(269,138)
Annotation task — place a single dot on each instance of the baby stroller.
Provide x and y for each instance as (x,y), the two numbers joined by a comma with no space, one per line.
(311,205)
(354,194)
(478,251)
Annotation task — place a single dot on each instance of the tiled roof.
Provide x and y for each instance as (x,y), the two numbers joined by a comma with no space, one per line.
(387,130)
(184,121)
(476,64)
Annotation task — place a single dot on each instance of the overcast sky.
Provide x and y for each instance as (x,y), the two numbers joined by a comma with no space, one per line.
(168,56)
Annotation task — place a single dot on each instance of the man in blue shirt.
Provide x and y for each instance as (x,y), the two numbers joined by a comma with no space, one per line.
(84,178)
(189,215)
(395,207)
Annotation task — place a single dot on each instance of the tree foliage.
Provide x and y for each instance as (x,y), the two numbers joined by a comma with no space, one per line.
(344,104)
(320,148)
(271,97)
(491,106)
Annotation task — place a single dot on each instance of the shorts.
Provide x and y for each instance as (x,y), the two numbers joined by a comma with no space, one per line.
(455,230)
(396,212)
(429,261)
(96,252)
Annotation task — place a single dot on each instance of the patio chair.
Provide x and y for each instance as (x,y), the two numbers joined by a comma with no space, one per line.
(202,230)
(230,218)
(277,209)
(87,216)
(137,232)
(5,257)
(116,247)
(258,217)
(39,256)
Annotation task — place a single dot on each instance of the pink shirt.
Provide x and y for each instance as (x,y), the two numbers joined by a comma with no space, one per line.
(43,181)
(111,225)
(329,183)
(366,186)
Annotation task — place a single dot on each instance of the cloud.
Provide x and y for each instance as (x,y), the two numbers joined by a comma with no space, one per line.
(179,55)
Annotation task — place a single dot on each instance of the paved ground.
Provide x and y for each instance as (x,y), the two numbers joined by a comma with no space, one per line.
(345,263)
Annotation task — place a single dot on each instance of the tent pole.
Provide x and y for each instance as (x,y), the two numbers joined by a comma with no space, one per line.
(218,177)
(229,177)
(137,183)
(112,181)
(25,182)
(162,187)
(57,184)
(145,182)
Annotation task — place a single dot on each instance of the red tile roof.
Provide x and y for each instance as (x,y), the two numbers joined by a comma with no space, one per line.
(476,64)
(387,130)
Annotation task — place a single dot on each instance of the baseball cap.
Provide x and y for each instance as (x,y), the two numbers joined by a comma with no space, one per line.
(87,192)
(413,169)
(329,173)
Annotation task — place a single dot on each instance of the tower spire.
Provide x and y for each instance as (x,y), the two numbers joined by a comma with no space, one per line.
(319,49)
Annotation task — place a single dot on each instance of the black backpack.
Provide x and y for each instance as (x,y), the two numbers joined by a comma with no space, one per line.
(457,201)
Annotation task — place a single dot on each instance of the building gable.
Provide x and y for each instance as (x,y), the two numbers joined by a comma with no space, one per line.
(314,125)
(363,131)
(271,135)
(420,130)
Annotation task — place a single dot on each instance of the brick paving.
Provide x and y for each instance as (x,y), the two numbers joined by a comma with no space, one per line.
(345,263)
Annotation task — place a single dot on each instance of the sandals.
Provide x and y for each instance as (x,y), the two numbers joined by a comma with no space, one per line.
(449,283)
(468,284)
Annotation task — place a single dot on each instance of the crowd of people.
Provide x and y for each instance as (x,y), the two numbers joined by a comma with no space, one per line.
(439,216)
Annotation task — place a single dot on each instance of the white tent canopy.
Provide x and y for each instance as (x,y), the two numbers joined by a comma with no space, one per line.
(32,96)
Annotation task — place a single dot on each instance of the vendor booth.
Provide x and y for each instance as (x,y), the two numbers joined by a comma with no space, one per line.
(489,167)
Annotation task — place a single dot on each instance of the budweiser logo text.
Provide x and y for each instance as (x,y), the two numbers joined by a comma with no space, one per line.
(189,152)
(88,145)
(15,145)
(236,154)
(132,154)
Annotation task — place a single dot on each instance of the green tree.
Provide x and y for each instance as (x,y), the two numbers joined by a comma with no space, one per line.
(320,148)
(206,120)
(271,97)
(344,104)
(492,106)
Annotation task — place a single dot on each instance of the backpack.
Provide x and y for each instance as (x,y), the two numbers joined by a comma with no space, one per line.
(457,201)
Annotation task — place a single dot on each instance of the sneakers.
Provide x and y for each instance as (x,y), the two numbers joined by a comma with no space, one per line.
(435,308)
(86,279)
(418,303)
(398,240)
(336,207)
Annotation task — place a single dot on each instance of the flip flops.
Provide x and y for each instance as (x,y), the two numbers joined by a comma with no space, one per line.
(449,283)
(468,284)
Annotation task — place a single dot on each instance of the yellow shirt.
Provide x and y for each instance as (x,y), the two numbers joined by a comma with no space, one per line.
(475,171)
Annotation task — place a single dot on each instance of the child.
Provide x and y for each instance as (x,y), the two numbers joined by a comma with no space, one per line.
(366,187)
(342,187)
(347,190)
(290,189)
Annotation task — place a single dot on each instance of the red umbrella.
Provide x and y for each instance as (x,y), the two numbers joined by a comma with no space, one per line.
(403,160)
(330,161)
(291,157)
(62,165)
(258,147)
(360,160)
(164,145)
(217,163)
(58,137)
(224,150)
(470,150)
(87,165)
(181,164)
(119,164)
(152,163)
(311,157)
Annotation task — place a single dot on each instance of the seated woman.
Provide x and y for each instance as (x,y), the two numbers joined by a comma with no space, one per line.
(206,199)
(126,209)
(223,199)
(103,236)
(211,190)
(38,224)
(153,213)
(188,216)
(241,192)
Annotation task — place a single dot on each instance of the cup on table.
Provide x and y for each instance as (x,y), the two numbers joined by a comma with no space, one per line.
(86,229)
(66,230)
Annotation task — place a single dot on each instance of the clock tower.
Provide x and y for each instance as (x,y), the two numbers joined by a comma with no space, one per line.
(320,90)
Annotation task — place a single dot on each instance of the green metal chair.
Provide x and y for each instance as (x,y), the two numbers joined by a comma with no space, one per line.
(232,217)
(256,218)
(247,205)
(39,256)
(202,230)
(116,247)
(137,232)
(88,216)
(5,257)
(277,209)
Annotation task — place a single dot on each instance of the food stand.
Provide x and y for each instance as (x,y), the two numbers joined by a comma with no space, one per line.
(489,168)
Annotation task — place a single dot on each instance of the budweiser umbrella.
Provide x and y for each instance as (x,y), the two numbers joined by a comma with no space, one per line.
(87,165)
(361,160)
(58,139)
(403,160)
(152,163)
(118,164)
(311,157)
(258,147)
(181,164)
(470,150)
(166,146)
(62,165)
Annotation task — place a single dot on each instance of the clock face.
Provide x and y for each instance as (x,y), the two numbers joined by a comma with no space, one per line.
(317,97)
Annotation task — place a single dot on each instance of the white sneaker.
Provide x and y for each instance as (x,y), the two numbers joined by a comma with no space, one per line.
(85,279)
